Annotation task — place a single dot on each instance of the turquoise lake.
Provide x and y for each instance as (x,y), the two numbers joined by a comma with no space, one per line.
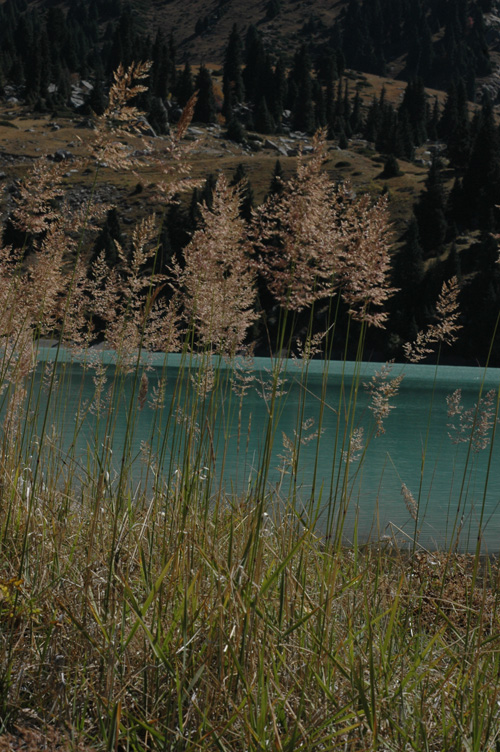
(457,489)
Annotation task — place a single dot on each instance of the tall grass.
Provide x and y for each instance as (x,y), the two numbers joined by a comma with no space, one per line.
(154,597)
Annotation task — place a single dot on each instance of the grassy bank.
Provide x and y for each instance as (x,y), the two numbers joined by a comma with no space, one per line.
(169,610)
(170,625)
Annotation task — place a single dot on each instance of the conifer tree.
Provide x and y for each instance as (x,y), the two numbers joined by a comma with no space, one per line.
(185,87)
(319,107)
(458,140)
(232,71)
(207,192)
(278,92)
(430,210)
(97,98)
(409,266)
(235,131)
(263,120)
(277,185)
(433,121)
(302,109)
(240,179)
(356,120)
(373,120)
(481,182)
(108,237)
(415,105)
(160,69)
(204,111)
(254,64)
(273,9)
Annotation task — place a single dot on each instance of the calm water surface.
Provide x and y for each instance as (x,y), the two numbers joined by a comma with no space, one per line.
(454,486)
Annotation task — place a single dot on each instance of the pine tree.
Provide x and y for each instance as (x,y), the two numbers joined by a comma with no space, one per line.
(391,168)
(158,116)
(356,121)
(97,98)
(415,105)
(185,87)
(300,75)
(277,185)
(160,69)
(232,74)
(263,120)
(430,210)
(254,64)
(433,121)
(373,120)
(107,239)
(204,111)
(207,192)
(273,9)
(481,182)
(458,140)
(278,92)
(240,178)
(235,131)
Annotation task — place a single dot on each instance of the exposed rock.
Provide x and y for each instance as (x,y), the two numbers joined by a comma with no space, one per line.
(61,155)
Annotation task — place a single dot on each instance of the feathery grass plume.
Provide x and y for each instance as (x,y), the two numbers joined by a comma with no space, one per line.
(121,119)
(363,260)
(174,162)
(218,277)
(475,423)
(316,237)
(410,502)
(37,192)
(381,389)
(143,390)
(296,236)
(162,330)
(356,445)
(444,330)
(12,318)
(311,347)
(243,376)
(124,297)
(19,362)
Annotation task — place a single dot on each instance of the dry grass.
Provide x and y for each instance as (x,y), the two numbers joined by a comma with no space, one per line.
(171,612)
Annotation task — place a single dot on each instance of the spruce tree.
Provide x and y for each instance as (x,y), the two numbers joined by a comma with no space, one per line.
(278,92)
(263,120)
(458,140)
(300,75)
(481,182)
(240,179)
(356,120)
(277,185)
(254,64)
(232,73)
(204,111)
(97,98)
(107,239)
(430,210)
(158,116)
(235,131)
(409,266)
(184,87)
(273,9)
(415,105)
(373,120)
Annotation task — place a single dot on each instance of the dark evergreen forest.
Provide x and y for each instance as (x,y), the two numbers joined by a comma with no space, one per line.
(443,43)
